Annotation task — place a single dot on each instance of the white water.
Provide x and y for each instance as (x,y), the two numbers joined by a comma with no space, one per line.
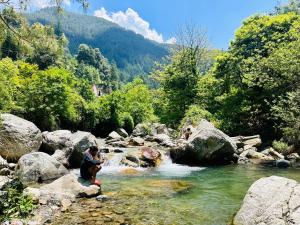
(170,169)
(166,168)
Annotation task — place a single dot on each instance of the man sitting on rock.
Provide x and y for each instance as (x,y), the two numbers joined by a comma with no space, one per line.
(90,165)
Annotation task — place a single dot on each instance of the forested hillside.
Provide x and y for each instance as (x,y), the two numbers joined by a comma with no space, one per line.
(132,53)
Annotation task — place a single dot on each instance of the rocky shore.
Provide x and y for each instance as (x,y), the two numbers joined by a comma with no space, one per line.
(42,161)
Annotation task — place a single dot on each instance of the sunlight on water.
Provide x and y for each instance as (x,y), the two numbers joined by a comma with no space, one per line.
(170,195)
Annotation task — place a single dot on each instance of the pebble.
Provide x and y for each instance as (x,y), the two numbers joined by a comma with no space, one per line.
(102,198)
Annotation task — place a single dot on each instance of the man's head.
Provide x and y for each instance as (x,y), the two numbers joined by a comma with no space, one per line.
(93,150)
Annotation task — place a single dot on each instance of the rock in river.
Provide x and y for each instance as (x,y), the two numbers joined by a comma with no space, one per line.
(207,145)
(271,201)
(72,144)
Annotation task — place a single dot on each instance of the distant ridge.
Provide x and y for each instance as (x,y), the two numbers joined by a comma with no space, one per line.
(133,54)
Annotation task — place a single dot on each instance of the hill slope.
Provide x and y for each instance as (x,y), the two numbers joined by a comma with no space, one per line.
(132,53)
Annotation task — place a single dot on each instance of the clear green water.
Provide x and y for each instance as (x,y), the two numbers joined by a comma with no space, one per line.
(208,197)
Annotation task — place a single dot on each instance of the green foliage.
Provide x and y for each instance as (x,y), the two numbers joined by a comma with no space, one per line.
(280,146)
(126,122)
(287,110)
(130,105)
(261,66)
(132,53)
(14,204)
(195,114)
(179,83)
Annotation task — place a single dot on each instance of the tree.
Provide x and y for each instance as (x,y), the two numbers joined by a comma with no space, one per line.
(179,78)
(262,65)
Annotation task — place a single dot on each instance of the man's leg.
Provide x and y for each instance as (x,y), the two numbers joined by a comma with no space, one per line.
(94,170)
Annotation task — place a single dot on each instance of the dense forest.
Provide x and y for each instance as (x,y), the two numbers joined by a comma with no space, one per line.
(132,53)
(253,88)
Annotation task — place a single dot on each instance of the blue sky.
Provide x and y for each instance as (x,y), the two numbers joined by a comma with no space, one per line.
(220,18)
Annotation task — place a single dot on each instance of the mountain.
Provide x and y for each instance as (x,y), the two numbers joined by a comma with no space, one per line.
(133,54)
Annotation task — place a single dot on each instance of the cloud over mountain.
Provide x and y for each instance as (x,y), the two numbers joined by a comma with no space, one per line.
(131,20)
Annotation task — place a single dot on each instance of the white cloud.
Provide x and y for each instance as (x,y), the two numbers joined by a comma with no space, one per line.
(172,40)
(131,20)
(46,3)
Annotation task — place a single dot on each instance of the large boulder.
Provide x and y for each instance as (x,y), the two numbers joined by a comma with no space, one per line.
(69,184)
(18,137)
(72,144)
(271,201)
(59,139)
(207,145)
(39,167)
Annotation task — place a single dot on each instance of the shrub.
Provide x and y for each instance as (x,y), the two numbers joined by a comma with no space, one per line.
(13,203)
(280,146)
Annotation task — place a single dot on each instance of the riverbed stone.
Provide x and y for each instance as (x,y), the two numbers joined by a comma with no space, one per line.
(271,201)
(39,167)
(18,137)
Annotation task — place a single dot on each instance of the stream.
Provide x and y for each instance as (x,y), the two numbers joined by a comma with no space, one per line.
(170,194)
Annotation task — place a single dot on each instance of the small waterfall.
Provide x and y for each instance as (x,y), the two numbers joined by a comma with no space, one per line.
(168,168)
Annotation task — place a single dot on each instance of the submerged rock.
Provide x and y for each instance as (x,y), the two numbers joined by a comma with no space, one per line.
(271,201)
(207,145)
(18,137)
(39,167)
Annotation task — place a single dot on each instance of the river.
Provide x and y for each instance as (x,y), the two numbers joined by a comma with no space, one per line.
(170,195)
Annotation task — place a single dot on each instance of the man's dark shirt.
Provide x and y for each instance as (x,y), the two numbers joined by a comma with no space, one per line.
(86,163)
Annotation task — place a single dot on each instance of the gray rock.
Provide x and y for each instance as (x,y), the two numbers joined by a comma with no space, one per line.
(3,181)
(59,139)
(271,201)
(115,136)
(102,198)
(39,167)
(3,163)
(4,172)
(254,141)
(122,132)
(18,137)
(207,145)
(137,141)
(72,144)
(12,166)
(281,163)
(120,144)
(69,184)
(60,156)
(142,130)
